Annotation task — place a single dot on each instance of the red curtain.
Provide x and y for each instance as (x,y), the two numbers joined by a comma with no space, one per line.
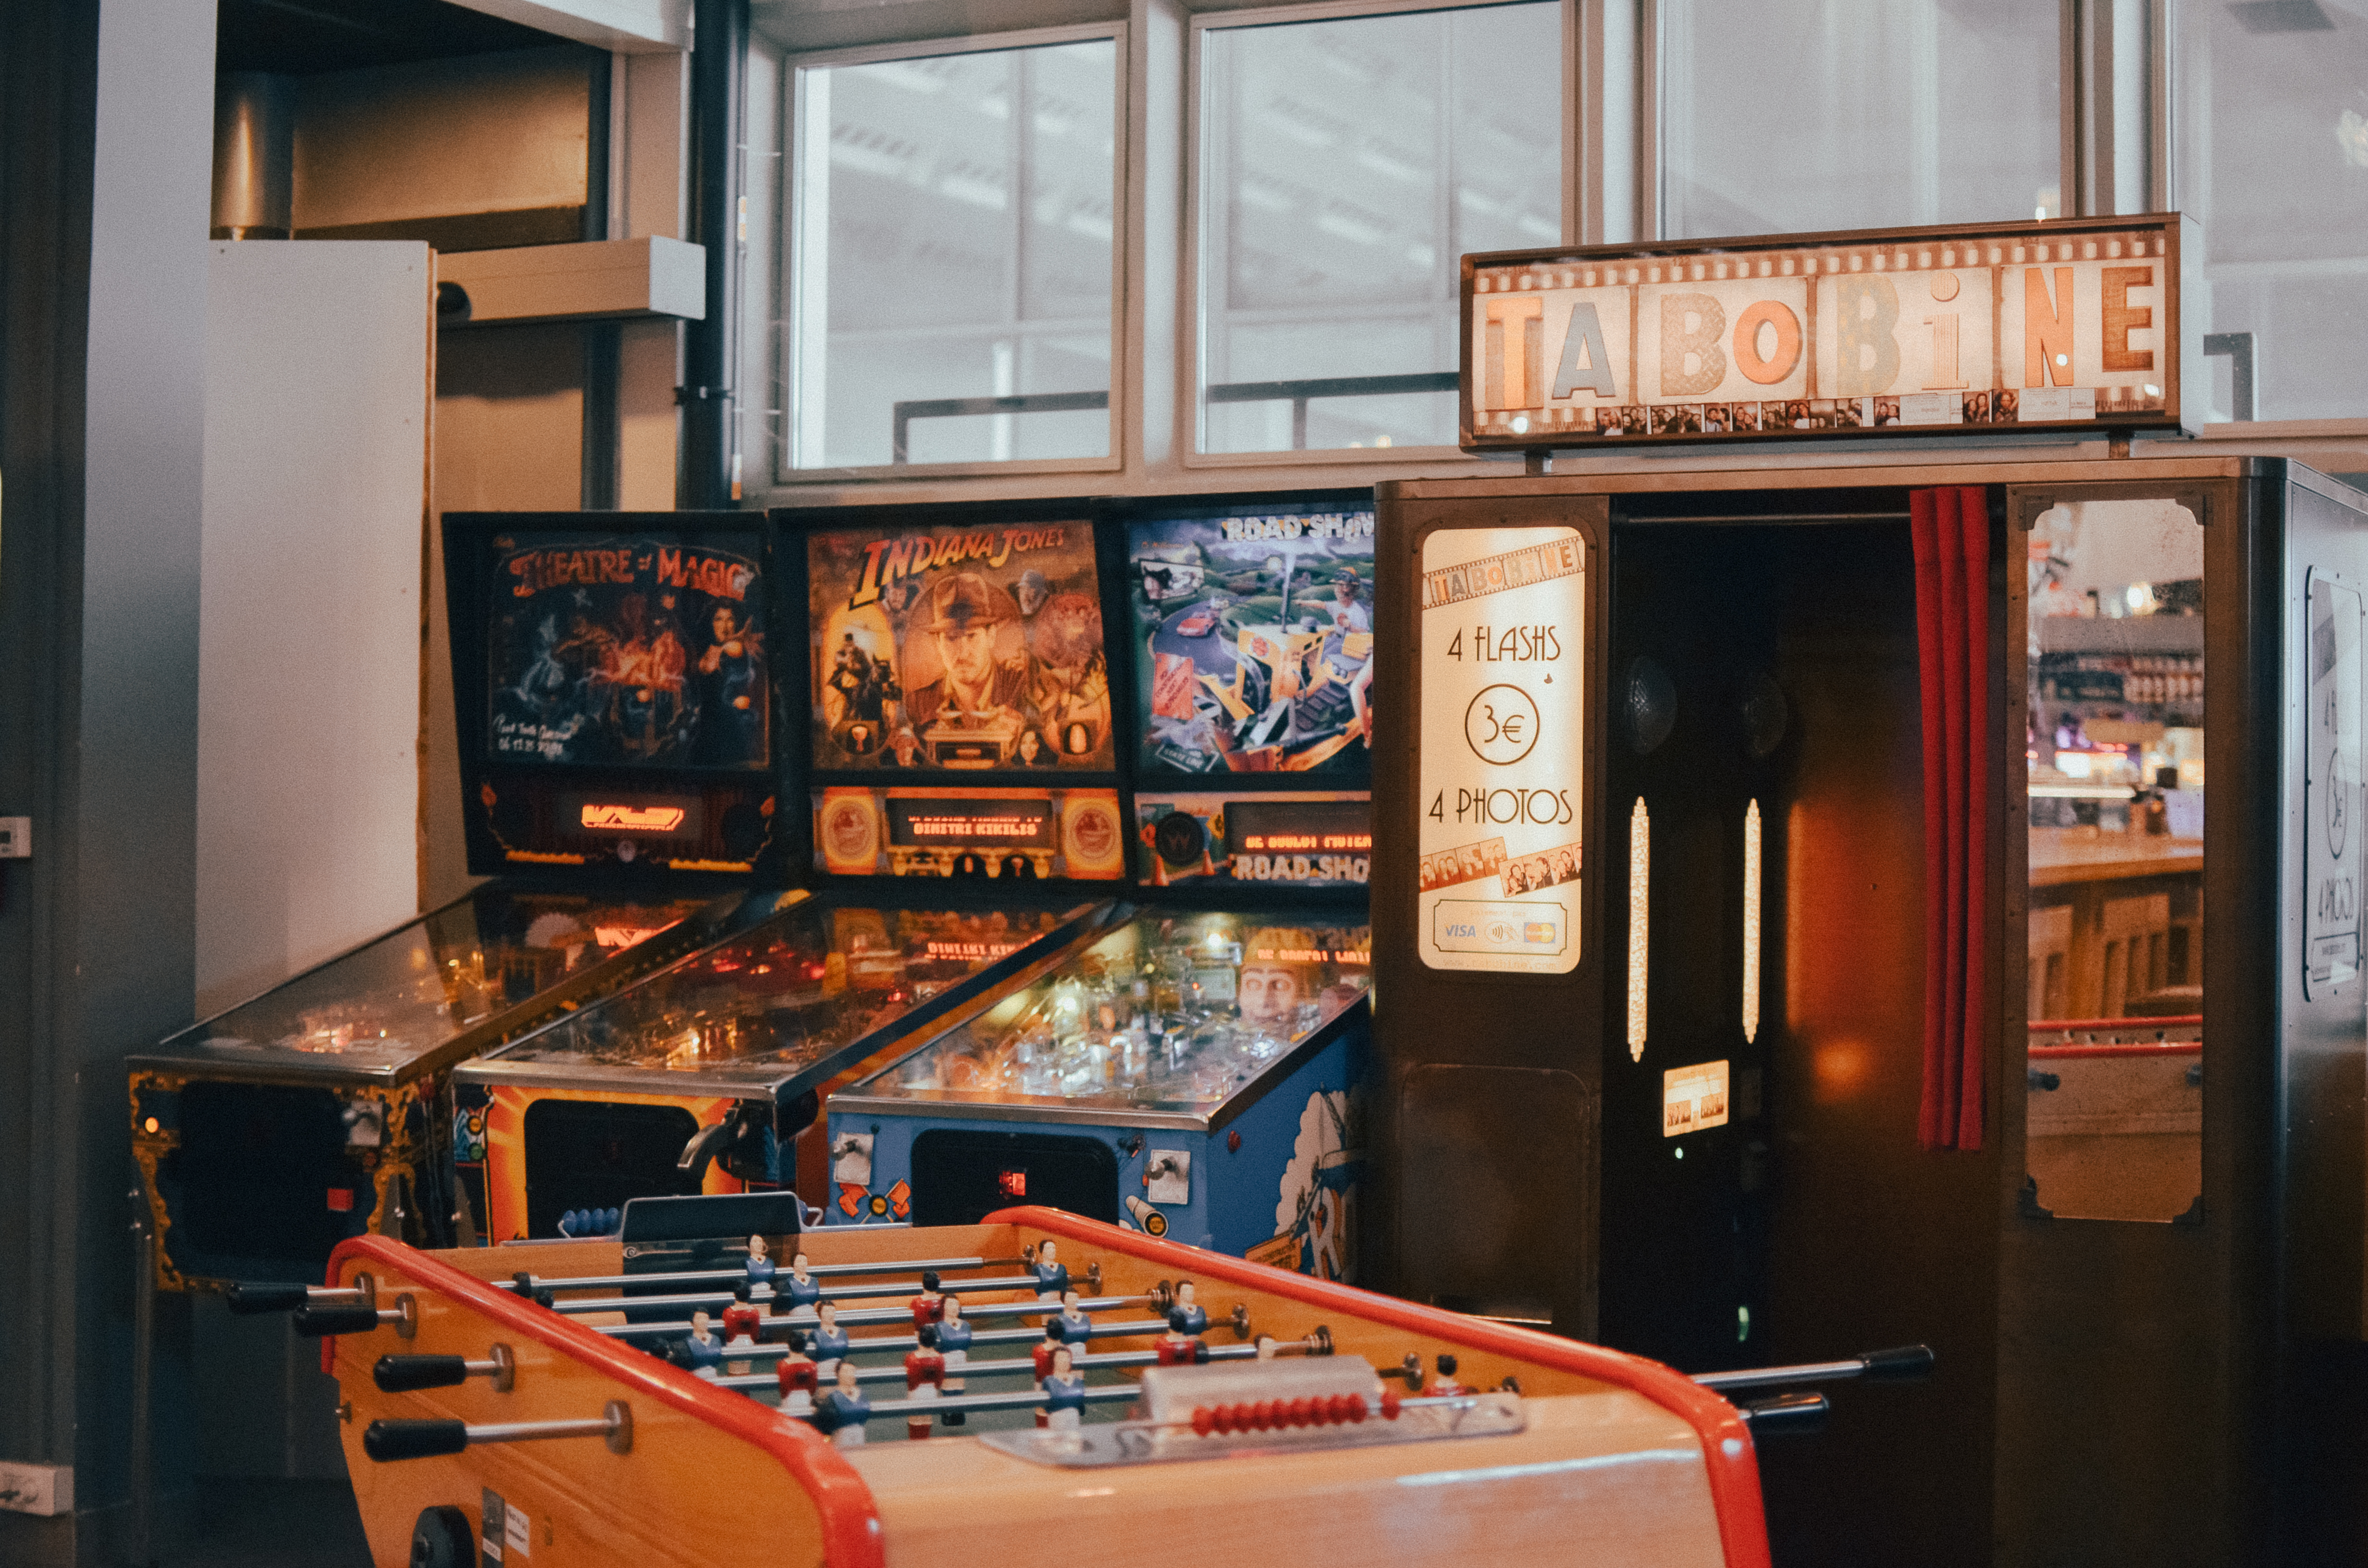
(1951,527)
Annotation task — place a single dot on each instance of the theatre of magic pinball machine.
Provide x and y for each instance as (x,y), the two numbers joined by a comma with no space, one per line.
(1196,1069)
(1907,979)
(619,751)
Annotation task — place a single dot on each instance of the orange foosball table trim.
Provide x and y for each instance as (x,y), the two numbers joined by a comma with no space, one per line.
(696,1477)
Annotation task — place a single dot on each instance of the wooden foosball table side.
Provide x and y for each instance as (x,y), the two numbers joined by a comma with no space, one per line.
(1623,1460)
(709,1476)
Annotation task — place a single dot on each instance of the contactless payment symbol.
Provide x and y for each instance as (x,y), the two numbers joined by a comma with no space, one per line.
(1501,725)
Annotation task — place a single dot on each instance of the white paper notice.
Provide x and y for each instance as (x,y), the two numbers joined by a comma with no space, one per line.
(1503,739)
(2331,803)
(2040,405)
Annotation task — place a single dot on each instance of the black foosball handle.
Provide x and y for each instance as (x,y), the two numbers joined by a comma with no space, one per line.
(314,1322)
(1906,1364)
(385,1439)
(247,1298)
(406,1374)
(1786,1416)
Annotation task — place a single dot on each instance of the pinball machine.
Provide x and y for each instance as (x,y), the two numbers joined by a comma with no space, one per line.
(1905,978)
(622,824)
(1198,1070)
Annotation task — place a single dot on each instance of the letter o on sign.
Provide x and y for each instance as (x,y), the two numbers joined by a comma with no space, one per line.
(1775,368)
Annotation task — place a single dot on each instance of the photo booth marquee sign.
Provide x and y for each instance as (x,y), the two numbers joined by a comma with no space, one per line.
(2070,323)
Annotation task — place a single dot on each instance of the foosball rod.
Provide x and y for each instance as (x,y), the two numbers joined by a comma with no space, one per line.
(894,1341)
(863,1317)
(891,1372)
(1386,1408)
(1907,1363)
(733,1276)
(725,1298)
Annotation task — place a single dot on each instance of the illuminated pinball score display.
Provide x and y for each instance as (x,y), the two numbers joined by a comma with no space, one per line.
(2064,324)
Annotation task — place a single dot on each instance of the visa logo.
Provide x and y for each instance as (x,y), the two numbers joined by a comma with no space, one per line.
(1457,929)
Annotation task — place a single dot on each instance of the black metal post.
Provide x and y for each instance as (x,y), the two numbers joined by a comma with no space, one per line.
(710,472)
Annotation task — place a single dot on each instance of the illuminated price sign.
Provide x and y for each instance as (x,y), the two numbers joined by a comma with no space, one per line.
(642,815)
(1909,331)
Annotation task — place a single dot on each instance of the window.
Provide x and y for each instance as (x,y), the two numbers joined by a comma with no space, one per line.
(1796,116)
(952,256)
(1347,165)
(2272,110)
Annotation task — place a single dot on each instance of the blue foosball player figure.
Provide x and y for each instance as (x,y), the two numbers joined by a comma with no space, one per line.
(827,1343)
(802,1290)
(1185,1316)
(1181,1346)
(953,1344)
(1046,1349)
(1064,1393)
(1072,1323)
(841,1412)
(760,1264)
(703,1350)
(1052,1274)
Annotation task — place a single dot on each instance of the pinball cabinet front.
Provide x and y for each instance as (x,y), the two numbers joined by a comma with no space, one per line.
(2131,1226)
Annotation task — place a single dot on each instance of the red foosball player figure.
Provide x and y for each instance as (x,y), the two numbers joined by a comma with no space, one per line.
(798,1380)
(953,1344)
(842,1412)
(1064,1393)
(1444,1386)
(930,1305)
(741,1319)
(924,1371)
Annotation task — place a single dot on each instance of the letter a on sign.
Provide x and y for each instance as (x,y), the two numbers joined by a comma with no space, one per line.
(1584,341)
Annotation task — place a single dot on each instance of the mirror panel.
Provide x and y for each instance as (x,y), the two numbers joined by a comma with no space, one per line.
(2115,761)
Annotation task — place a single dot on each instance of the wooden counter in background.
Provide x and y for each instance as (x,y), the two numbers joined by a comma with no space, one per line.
(2115,918)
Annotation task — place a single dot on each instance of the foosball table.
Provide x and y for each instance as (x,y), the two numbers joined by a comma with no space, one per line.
(1087,1393)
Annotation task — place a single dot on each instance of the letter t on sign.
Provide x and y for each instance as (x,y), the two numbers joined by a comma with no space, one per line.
(1509,347)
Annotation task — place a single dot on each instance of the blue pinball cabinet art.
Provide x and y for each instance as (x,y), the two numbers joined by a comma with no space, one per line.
(1192,1074)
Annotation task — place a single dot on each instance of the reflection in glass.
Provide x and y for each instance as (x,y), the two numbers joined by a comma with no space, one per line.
(1784,115)
(789,995)
(954,225)
(2272,117)
(398,999)
(1347,165)
(2114,758)
(1171,1013)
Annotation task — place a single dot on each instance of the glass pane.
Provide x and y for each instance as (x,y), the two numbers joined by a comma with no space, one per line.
(1791,116)
(1166,1013)
(952,241)
(387,1005)
(2273,158)
(1346,167)
(789,997)
(2115,756)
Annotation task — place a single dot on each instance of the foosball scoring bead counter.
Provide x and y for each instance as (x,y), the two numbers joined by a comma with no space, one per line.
(1522,1446)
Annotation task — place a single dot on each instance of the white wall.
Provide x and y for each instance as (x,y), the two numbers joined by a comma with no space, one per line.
(317,408)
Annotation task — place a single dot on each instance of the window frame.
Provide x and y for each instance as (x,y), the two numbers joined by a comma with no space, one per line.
(1191,331)
(791,341)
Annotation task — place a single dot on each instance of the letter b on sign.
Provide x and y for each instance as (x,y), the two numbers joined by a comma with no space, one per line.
(1866,323)
(1697,341)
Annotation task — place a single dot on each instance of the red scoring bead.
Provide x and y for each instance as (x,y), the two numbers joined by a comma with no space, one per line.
(1389,1404)
(1356,1407)
(1204,1420)
(1303,1412)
